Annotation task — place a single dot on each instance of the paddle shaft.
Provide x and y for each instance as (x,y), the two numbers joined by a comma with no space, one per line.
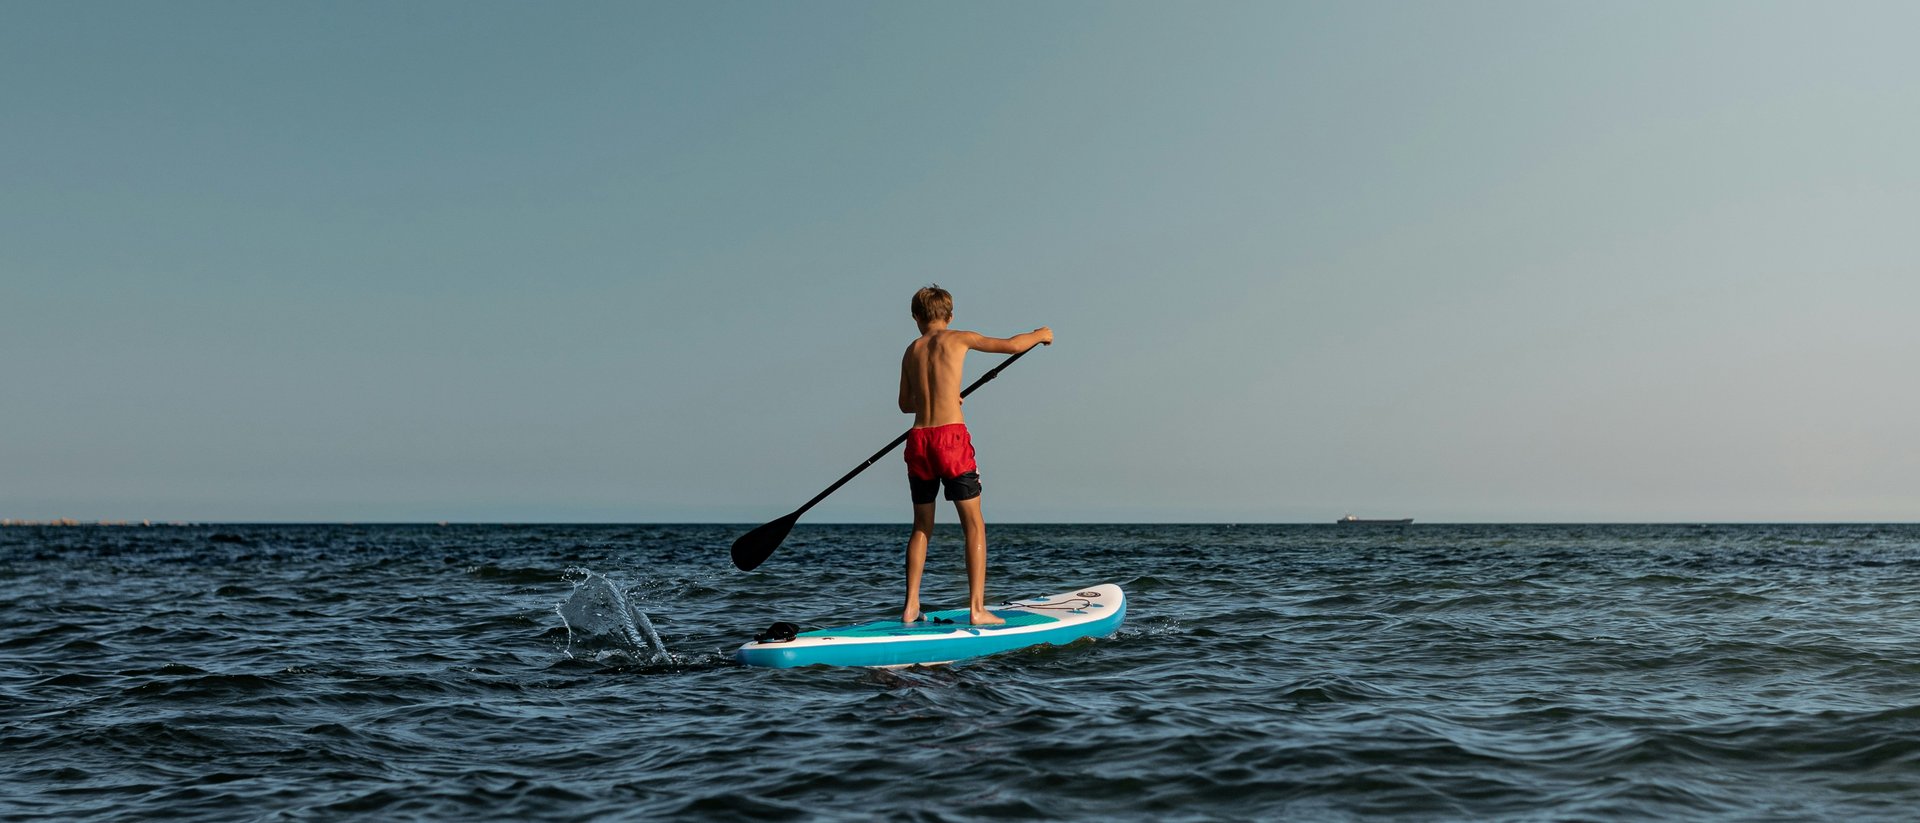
(991,373)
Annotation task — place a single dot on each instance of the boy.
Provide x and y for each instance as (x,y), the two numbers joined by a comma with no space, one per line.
(939,451)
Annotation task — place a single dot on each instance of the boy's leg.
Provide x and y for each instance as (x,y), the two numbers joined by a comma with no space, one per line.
(917,558)
(975,527)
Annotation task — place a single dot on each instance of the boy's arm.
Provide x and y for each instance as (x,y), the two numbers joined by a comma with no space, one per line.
(907,404)
(1042,336)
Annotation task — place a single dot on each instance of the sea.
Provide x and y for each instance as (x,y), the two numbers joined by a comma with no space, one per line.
(1265,672)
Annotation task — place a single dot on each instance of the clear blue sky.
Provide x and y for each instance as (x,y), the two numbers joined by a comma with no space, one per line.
(651,262)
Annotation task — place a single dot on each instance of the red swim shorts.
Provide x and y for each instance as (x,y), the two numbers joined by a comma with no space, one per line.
(941,455)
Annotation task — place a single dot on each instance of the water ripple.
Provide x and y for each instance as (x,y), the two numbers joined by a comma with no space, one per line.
(570,672)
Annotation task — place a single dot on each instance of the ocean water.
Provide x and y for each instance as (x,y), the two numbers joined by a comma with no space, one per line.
(1322,673)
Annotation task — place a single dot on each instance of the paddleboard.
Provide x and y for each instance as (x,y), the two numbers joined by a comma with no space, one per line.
(1058,619)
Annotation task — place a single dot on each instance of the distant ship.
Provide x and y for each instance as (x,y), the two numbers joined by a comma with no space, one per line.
(1350,520)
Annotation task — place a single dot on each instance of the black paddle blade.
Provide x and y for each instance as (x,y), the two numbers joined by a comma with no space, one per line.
(754,547)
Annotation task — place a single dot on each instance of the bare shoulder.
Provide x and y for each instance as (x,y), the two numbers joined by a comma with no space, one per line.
(962,338)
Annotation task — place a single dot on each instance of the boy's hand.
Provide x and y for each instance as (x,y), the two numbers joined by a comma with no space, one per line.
(1046,335)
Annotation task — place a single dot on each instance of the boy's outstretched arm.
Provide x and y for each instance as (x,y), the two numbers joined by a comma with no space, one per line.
(1042,336)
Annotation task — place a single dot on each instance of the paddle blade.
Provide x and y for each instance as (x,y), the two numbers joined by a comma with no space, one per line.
(754,547)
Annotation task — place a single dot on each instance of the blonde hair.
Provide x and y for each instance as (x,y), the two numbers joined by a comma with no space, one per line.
(932,303)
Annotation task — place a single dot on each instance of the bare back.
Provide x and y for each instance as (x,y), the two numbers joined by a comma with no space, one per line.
(930,376)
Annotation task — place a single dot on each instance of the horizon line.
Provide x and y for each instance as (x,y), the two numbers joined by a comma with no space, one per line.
(182,523)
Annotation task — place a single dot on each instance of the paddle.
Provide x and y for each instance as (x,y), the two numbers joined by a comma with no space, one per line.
(754,547)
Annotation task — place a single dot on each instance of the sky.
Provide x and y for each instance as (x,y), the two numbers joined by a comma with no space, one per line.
(648,262)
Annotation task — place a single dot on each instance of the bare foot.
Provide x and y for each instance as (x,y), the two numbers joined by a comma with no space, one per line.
(910,616)
(982,617)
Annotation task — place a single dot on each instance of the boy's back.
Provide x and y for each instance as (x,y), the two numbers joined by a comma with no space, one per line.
(930,376)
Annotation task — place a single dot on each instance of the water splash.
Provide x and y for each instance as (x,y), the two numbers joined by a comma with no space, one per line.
(604,626)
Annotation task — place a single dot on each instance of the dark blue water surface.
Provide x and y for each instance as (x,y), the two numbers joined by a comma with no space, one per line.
(1265,672)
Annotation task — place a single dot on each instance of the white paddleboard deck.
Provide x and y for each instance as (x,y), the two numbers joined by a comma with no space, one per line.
(946,636)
